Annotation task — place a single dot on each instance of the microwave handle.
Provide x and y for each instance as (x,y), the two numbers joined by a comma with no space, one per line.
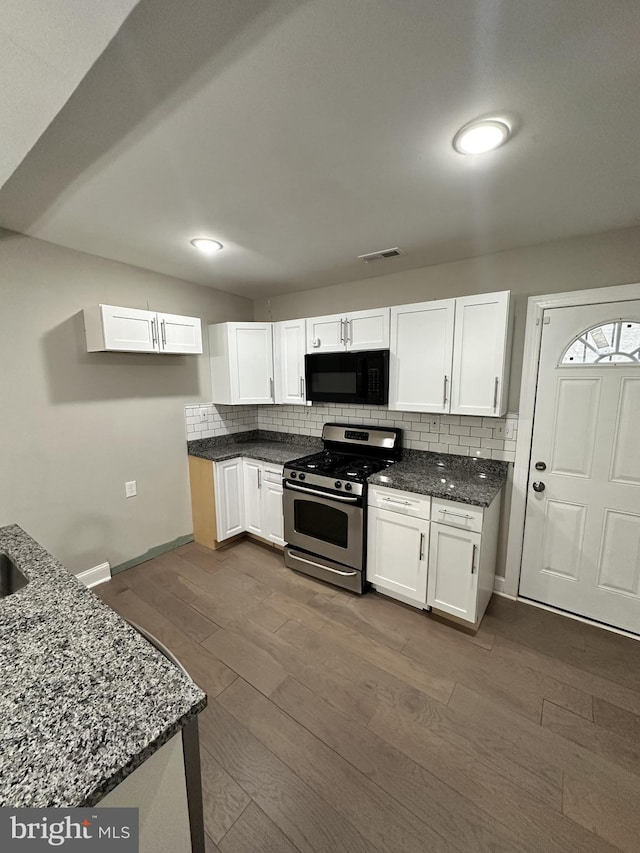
(361,377)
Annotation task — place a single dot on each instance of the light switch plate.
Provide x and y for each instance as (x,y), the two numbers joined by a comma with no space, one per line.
(130,489)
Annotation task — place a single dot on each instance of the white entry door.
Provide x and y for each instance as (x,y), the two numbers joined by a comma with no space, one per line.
(582,530)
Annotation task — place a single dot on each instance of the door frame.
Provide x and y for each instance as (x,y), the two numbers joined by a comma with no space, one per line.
(532,343)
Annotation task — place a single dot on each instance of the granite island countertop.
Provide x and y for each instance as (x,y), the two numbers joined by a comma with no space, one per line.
(84,698)
(466,479)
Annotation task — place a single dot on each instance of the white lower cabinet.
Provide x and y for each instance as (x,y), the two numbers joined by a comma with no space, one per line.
(453,571)
(462,558)
(249,499)
(229,493)
(398,543)
(432,552)
(252,471)
(272,517)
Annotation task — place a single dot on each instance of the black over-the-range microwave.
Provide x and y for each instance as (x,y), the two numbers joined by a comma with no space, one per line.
(348,377)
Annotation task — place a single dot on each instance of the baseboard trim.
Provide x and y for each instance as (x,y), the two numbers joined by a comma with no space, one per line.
(96,575)
(153,552)
(498,589)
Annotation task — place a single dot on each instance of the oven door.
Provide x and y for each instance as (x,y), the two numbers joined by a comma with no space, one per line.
(328,525)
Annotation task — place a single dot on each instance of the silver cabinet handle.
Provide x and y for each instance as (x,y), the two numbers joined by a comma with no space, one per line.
(164,334)
(302,387)
(259,478)
(320,566)
(456,514)
(322,494)
(154,337)
(444,398)
(473,558)
(421,554)
(495,395)
(349,325)
(271,388)
(341,330)
(396,501)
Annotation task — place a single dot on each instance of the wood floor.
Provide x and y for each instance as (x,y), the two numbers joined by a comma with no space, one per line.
(338,724)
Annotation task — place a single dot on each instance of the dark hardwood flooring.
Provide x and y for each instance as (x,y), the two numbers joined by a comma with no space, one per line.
(342,724)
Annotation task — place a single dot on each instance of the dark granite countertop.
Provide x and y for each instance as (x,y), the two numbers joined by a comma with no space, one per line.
(264,445)
(464,479)
(84,698)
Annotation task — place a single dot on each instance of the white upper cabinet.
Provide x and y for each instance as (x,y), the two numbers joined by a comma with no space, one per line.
(421,356)
(367,329)
(113,328)
(241,356)
(180,334)
(289,345)
(356,330)
(451,355)
(326,334)
(480,375)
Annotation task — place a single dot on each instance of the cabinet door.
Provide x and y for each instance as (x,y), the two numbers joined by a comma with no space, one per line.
(289,345)
(397,549)
(273,520)
(251,362)
(454,558)
(129,329)
(252,475)
(229,498)
(421,356)
(180,334)
(480,357)
(368,329)
(326,334)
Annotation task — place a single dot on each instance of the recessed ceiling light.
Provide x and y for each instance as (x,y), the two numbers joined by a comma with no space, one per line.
(206,245)
(481,136)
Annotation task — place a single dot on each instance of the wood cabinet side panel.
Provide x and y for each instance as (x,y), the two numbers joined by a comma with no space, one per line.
(203,501)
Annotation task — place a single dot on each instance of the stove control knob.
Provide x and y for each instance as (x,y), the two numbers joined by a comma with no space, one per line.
(348,486)
(338,484)
(293,475)
(301,476)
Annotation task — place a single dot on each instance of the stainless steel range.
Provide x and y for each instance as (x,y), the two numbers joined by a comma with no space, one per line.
(325,500)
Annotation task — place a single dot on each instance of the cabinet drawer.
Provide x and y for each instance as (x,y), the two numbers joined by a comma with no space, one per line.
(455,514)
(395,500)
(273,473)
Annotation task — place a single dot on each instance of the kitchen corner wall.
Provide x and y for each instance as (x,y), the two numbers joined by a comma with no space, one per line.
(75,425)
(209,420)
(462,435)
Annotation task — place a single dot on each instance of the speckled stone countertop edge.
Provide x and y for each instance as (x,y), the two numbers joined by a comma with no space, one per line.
(48,757)
(101,791)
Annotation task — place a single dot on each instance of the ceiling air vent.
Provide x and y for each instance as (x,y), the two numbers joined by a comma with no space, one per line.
(381,256)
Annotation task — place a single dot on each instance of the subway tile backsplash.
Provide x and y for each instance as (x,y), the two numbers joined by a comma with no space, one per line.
(465,436)
(209,419)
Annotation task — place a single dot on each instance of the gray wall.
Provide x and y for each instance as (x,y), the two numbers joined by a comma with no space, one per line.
(580,263)
(74,426)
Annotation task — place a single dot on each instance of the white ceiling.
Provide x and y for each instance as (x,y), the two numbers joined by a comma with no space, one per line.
(302,134)
(46,48)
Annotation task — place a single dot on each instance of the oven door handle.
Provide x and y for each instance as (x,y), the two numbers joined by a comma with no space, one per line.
(329,497)
(320,566)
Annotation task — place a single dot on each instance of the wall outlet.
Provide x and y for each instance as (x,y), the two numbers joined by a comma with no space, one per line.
(131,489)
(434,423)
(509,429)
(203,415)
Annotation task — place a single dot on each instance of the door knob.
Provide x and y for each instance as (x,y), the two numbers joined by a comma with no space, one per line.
(539,487)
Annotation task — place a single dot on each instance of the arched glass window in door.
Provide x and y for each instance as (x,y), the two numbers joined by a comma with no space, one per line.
(608,343)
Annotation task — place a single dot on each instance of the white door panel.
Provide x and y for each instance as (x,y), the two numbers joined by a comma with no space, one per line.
(366,330)
(582,533)
(180,334)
